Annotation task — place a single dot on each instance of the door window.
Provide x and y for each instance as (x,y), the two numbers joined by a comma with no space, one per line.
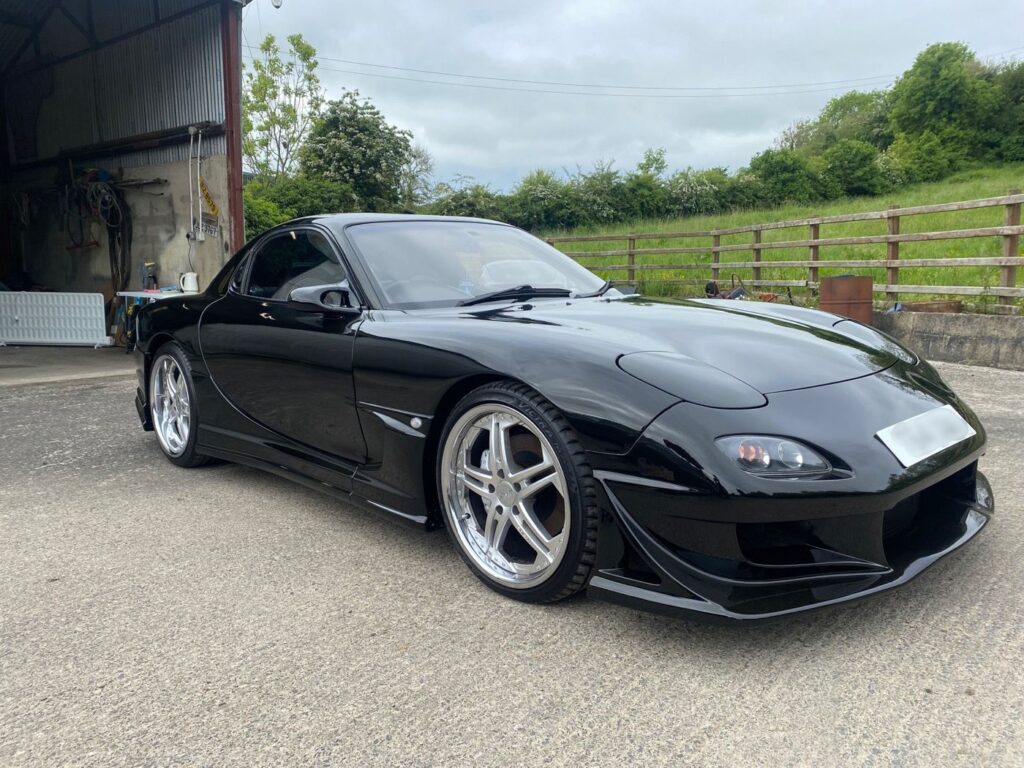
(293,260)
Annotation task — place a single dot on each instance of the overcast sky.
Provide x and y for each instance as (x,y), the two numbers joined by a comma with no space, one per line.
(730,47)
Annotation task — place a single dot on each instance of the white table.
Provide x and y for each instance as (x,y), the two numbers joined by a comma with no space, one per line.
(154,295)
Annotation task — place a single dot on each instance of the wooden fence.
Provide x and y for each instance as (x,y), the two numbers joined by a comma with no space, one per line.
(1007,263)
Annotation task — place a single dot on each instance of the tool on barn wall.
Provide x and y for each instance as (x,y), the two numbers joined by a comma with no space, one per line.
(94,195)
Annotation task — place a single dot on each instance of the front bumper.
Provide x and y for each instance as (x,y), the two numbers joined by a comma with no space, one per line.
(688,533)
(753,571)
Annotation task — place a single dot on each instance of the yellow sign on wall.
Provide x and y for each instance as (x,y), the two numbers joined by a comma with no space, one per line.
(211,204)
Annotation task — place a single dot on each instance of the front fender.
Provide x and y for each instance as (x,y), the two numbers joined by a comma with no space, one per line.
(608,408)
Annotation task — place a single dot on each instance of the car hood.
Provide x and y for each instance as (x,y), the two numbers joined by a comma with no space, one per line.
(770,348)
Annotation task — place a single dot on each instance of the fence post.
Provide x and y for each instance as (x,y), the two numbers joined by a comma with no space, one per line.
(631,258)
(815,233)
(892,253)
(1008,275)
(757,256)
(716,243)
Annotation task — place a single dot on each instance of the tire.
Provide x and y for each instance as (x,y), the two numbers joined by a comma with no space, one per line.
(173,407)
(517,494)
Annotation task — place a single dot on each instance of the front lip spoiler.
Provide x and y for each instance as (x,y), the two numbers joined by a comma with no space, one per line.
(617,587)
(636,596)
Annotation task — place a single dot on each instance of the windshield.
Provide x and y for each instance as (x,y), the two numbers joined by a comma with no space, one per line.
(419,264)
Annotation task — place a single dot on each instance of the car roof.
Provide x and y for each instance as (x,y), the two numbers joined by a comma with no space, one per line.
(342,220)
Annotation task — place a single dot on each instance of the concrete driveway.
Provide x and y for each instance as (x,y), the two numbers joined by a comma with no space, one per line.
(155,616)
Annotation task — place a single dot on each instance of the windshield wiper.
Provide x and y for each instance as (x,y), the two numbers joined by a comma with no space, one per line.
(599,292)
(519,292)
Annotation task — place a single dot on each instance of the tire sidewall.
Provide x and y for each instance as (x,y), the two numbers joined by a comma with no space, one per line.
(555,584)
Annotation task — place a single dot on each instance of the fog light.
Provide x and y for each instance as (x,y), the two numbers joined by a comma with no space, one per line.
(774,457)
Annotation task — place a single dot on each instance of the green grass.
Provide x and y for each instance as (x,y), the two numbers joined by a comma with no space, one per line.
(967,185)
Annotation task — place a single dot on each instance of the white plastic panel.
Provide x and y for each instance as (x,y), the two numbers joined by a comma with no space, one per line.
(53,318)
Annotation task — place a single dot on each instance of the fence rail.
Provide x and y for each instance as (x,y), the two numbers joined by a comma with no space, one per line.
(1007,263)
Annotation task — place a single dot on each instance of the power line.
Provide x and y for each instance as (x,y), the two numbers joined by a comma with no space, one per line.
(704,91)
(588,93)
(598,85)
(478,86)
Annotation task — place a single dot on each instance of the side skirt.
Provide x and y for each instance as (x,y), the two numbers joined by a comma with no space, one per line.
(415,521)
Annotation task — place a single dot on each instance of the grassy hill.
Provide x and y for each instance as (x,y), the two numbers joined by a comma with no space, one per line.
(967,185)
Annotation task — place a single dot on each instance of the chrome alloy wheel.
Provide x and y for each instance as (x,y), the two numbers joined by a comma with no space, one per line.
(171,412)
(505,495)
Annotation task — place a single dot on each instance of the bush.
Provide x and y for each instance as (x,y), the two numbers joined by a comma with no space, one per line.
(308,196)
(691,193)
(925,157)
(260,214)
(540,201)
(477,200)
(786,177)
(853,165)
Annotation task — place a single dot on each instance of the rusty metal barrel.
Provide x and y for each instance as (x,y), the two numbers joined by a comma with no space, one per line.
(847,295)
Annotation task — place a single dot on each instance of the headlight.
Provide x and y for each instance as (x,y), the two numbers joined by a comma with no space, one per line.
(773,457)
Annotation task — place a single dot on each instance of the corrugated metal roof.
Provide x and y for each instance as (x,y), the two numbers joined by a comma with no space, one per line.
(12,36)
(111,19)
(168,76)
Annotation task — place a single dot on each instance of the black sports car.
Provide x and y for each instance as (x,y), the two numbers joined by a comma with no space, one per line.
(729,459)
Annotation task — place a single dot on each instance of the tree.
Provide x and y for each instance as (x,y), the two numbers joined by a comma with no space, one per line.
(858,115)
(1009,78)
(281,100)
(353,143)
(415,177)
(853,165)
(944,89)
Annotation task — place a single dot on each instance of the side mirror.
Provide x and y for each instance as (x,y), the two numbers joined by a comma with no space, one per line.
(333,297)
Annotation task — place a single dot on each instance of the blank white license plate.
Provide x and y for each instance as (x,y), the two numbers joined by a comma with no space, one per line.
(924,435)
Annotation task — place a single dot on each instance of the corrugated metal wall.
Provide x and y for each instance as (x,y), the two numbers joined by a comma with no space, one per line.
(164,78)
(172,153)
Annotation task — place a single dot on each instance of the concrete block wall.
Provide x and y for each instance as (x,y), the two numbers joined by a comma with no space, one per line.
(160,216)
(991,340)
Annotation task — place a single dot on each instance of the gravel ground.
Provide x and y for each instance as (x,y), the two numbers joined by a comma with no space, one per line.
(151,615)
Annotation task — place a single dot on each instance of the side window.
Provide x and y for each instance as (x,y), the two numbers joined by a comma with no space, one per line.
(293,260)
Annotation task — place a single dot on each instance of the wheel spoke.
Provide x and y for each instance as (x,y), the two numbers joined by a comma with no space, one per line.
(536,478)
(499,447)
(534,533)
(472,478)
(495,530)
(532,473)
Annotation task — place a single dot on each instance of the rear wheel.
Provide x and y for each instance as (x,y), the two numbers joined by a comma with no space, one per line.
(172,406)
(517,494)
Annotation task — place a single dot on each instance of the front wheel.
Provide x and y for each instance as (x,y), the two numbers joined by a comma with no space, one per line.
(518,495)
(172,406)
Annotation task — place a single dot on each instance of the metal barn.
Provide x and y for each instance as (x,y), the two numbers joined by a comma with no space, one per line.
(121,166)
